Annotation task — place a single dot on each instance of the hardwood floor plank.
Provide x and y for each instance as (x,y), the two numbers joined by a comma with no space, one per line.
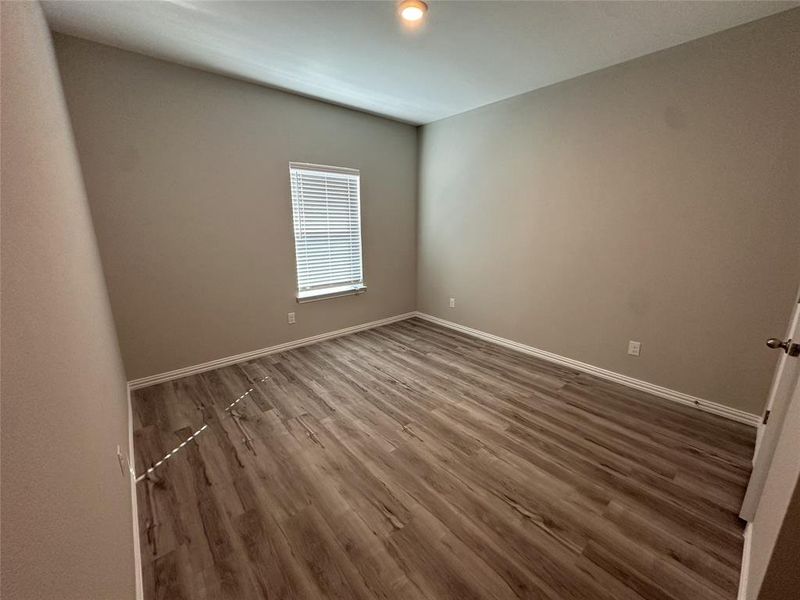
(315,546)
(412,461)
(169,578)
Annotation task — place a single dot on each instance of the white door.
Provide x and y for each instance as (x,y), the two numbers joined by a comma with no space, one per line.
(786,378)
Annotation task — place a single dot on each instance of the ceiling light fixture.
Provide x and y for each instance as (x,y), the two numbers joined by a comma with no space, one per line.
(412,10)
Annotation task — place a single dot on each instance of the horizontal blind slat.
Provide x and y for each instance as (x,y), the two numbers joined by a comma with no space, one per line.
(327,226)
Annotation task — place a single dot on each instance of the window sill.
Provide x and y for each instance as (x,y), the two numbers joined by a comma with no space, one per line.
(324,294)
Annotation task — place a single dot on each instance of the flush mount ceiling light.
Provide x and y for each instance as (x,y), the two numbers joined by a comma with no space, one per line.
(412,10)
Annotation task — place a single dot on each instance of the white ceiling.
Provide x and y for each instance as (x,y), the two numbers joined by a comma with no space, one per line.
(467,54)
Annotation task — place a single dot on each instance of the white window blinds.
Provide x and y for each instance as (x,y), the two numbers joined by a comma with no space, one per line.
(326,209)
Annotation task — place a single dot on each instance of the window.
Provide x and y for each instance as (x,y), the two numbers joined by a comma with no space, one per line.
(326,209)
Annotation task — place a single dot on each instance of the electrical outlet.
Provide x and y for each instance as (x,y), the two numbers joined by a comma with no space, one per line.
(291,318)
(634,348)
(452,302)
(124,465)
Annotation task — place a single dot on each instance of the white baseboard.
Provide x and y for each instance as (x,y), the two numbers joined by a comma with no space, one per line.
(657,390)
(232,360)
(748,542)
(137,548)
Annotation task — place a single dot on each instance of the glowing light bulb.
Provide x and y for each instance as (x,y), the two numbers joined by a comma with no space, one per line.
(413,10)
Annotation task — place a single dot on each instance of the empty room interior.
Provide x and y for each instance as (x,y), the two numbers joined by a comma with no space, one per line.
(400,300)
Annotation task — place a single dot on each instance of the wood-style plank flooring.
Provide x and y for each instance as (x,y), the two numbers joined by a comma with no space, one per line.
(414,462)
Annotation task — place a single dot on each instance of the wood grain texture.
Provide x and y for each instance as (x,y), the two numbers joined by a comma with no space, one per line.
(412,461)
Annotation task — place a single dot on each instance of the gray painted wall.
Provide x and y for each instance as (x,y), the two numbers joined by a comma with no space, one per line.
(187,175)
(657,200)
(66,507)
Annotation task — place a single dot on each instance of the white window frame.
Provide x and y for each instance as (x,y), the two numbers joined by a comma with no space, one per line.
(332,289)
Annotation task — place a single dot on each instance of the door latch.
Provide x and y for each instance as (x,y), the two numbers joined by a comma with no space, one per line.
(789,347)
